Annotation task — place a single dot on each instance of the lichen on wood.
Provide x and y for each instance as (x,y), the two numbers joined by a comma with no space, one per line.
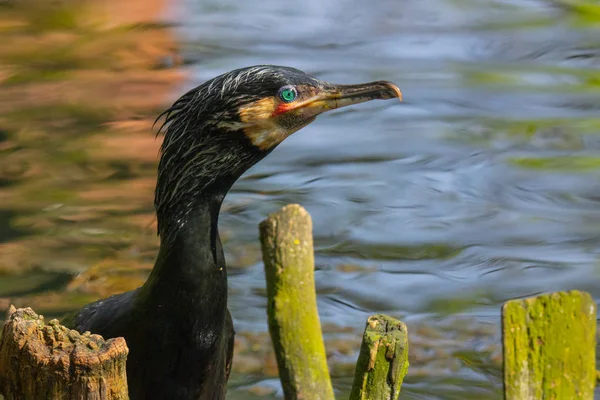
(549,345)
(294,325)
(39,361)
(382,361)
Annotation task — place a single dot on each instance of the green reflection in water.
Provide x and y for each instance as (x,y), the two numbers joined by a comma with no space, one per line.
(563,163)
(381,251)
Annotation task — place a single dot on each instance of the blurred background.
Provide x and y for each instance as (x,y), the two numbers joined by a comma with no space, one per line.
(481,187)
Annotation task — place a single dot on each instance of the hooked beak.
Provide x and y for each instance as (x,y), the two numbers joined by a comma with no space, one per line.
(337,96)
(332,96)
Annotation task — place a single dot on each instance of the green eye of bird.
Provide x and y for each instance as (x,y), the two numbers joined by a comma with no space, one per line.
(288,93)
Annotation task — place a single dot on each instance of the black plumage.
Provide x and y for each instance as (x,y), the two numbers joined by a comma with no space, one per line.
(177,326)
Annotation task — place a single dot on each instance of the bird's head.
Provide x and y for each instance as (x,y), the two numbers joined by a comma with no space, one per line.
(221,128)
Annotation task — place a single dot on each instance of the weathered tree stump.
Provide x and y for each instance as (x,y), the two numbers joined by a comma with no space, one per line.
(39,361)
(287,247)
(382,361)
(549,344)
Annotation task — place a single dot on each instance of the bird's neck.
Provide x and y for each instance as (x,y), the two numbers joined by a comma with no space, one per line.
(190,271)
(196,170)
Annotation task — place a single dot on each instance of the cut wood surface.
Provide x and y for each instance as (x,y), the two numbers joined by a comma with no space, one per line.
(39,361)
(382,361)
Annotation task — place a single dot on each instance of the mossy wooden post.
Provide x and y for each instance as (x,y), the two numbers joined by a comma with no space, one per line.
(382,361)
(549,346)
(39,361)
(287,248)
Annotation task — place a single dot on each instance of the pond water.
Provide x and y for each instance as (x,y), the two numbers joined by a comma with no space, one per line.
(482,186)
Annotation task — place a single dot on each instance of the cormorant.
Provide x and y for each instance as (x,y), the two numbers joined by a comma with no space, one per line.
(177,326)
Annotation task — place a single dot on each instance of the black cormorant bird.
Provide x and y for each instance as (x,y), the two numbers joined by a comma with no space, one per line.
(177,326)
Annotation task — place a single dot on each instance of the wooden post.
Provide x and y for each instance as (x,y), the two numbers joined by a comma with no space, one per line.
(39,361)
(549,344)
(382,361)
(287,248)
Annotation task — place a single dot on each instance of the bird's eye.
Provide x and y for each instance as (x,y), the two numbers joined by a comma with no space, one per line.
(288,94)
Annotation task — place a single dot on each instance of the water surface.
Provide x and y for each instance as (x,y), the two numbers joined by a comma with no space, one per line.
(481,187)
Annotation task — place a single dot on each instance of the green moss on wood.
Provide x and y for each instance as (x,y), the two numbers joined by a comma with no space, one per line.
(550,347)
(383,360)
(294,325)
